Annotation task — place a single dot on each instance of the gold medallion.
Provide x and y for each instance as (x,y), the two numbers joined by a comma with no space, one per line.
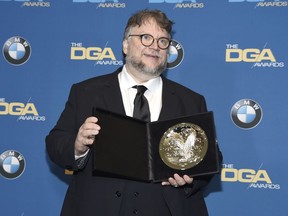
(183,146)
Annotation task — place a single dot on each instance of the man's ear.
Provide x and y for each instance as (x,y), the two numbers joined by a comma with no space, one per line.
(125,46)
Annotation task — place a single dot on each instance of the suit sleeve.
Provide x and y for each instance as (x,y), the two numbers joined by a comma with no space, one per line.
(61,139)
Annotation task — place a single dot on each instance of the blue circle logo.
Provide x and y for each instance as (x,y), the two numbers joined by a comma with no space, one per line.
(176,54)
(12,164)
(16,50)
(246,113)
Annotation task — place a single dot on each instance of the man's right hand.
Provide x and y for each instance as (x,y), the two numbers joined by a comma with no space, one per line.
(86,135)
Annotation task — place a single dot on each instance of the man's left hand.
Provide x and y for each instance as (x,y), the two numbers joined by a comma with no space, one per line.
(177,181)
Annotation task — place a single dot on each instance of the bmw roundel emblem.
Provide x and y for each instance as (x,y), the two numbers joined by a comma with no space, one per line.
(16,50)
(246,113)
(12,164)
(176,54)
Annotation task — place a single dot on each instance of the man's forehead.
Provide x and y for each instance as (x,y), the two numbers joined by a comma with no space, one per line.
(148,24)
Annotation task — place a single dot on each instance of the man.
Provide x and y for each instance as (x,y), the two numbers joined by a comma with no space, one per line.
(146,40)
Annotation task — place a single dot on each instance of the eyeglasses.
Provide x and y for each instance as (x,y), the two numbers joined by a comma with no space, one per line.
(147,40)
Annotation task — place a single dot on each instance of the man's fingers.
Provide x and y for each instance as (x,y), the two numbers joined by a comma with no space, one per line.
(177,180)
(188,179)
(91,119)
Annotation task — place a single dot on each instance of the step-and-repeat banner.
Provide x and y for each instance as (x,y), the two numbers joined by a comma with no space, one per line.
(234,52)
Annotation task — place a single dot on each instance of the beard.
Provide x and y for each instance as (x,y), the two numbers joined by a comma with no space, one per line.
(141,67)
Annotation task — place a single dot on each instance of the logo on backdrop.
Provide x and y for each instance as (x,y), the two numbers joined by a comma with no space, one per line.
(12,164)
(104,3)
(259,57)
(181,4)
(258,179)
(16,50)
(24,111)
(101,55)
(246,113)
(263,3)
(27,3)
(176,54)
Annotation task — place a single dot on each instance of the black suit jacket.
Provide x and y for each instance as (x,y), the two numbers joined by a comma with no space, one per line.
(90,194)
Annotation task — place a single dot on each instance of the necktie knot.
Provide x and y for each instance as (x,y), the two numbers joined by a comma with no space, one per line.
(141,106)
(140,89)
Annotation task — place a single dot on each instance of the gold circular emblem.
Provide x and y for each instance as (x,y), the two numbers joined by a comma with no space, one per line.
(183,146)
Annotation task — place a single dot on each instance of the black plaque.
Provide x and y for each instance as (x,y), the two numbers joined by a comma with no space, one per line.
(130,148)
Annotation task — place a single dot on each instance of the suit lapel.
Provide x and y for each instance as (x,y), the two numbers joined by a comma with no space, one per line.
(169,107)
(112,94)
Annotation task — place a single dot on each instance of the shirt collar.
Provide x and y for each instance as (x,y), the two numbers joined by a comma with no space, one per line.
(128,82)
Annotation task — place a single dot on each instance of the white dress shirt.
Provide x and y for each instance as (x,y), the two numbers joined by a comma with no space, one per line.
(153,93)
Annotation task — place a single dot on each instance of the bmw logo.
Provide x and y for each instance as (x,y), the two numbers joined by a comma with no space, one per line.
(16,50)
(12,164)
(176,54)
(246,113)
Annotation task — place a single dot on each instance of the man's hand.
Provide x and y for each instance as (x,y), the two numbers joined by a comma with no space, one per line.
(86,135)
(177,180)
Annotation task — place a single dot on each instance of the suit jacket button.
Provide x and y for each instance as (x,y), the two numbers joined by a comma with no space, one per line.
(118,193)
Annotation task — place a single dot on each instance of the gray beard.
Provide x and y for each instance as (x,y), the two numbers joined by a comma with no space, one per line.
(140,66)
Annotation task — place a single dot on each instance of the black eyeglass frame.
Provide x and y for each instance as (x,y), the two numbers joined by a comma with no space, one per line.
(158,39)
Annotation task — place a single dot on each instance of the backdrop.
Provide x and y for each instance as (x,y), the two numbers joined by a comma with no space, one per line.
(234,52)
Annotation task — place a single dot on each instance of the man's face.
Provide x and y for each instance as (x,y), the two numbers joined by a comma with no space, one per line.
(149,60)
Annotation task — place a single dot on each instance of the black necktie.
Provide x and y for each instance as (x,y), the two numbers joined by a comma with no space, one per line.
(141,106)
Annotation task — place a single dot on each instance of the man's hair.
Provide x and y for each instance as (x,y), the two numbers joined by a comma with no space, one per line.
(143,16)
